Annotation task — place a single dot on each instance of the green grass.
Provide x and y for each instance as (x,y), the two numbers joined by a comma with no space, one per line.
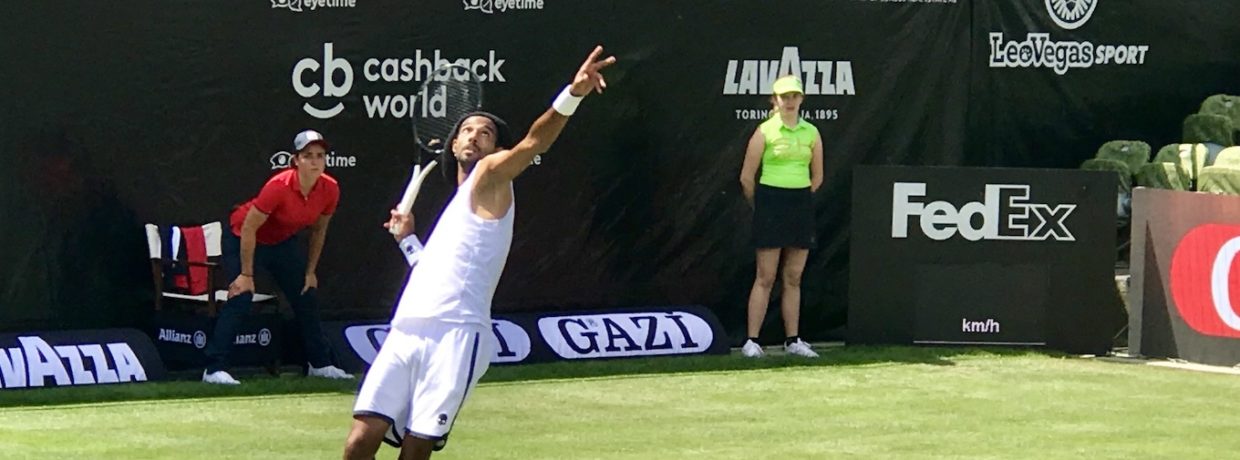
(856,402)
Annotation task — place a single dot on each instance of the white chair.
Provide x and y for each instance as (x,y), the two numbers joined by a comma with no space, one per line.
(188,273)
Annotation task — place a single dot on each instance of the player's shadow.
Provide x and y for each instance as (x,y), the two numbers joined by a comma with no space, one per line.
(834,356)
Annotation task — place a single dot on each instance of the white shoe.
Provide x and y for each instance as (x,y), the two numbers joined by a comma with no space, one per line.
(800,348)
(219,378)
(328,372)
(751,349)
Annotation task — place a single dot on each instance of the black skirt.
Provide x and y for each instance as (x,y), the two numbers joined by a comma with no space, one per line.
(784,218)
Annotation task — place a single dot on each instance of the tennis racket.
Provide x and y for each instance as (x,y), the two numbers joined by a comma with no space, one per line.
(450,92)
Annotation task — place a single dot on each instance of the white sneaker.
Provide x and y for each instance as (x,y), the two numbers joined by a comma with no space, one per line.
(219,378)
(800,348)
(751,349)
(328,372)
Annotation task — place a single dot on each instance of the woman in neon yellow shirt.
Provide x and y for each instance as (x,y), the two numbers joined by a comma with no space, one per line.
(789,150)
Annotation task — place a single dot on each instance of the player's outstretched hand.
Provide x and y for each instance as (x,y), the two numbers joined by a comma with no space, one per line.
(588,77)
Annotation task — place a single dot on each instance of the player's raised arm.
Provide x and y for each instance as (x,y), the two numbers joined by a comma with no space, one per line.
(506,165)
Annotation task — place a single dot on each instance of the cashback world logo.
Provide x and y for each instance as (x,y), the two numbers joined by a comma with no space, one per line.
(326,82)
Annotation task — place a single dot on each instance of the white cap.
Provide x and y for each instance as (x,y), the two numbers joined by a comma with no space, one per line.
(307,137)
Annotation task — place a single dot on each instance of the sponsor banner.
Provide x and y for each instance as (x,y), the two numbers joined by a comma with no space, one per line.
(1185,284)
(1052,80)
(1040,49)
(610,335)
(531,338)
(607,217)
(182,339)
(987,255)
(74,358)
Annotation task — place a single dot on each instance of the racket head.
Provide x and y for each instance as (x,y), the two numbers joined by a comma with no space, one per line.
(449,92)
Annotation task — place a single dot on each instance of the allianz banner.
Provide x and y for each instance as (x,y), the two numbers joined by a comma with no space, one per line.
(997,256)
(1185,294)
(173,113)
(72,358)
(546,337)
(182,339)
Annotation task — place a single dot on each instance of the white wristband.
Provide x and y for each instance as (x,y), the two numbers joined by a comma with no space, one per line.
(411,247)
(566,102)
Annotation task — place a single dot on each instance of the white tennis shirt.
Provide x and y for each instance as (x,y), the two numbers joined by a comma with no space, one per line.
(458,270)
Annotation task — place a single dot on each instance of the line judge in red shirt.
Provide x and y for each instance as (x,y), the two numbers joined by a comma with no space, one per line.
(264,233)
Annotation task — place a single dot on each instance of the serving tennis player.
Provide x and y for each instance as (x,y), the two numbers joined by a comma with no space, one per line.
(439,344)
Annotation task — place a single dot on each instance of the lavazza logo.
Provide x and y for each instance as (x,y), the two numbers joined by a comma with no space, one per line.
(744,77)
(312,5)
(1040,50)
(500,6)
(325,81)
(35,361)
(1005,214)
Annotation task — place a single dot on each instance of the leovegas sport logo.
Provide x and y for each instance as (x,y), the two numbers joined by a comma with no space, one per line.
(1205,280)
(1039,49)
(325,80)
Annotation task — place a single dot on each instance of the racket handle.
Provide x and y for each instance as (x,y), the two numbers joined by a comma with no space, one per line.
(406,200)
(418,182)
(411,190)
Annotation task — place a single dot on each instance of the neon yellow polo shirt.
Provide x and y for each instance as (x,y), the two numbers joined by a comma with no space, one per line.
(786,158)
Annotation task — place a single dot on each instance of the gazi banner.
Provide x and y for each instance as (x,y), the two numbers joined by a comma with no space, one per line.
(531,338)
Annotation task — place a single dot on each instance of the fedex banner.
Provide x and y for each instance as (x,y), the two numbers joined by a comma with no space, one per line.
(1185,294)
(72,358)
(530,338)
(983,256)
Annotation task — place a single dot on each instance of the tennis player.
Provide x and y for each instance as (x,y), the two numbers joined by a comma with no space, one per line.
(440,340)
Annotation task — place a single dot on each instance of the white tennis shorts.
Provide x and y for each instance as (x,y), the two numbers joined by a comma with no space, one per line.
(421,377)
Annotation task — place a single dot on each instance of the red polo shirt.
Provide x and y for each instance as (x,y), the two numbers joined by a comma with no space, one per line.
(288,212)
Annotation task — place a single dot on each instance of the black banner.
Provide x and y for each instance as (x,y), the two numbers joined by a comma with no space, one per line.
(133,112)
(1053,80)
(69,358)
(997,256)
(1185,294)
(533,338)
(122,113)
